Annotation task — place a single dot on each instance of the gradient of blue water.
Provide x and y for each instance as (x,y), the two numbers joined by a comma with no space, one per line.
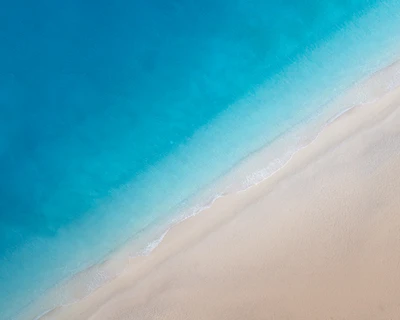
(94,94)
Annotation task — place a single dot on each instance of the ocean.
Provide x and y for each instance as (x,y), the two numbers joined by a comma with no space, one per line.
(118,118)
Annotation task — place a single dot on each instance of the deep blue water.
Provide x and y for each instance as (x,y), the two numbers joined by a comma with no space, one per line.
(95,94)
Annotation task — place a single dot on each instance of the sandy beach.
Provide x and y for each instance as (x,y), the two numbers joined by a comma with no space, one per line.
(320,239)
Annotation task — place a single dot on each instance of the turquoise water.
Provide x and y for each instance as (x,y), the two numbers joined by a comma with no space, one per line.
(112,114)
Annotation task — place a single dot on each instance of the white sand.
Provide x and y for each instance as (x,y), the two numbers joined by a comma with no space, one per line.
(318,240)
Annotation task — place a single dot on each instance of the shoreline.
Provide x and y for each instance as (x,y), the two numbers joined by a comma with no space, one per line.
(122,259)
(174,231)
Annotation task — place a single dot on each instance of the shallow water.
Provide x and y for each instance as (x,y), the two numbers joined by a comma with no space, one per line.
(114,114)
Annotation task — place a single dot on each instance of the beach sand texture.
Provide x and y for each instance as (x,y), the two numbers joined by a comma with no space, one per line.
(320,239)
